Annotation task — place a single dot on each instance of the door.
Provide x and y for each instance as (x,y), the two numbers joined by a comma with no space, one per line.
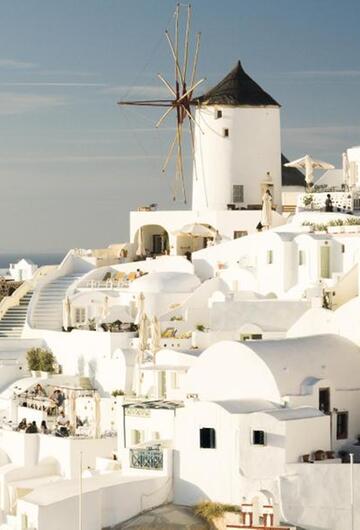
(325,261)
(158,244)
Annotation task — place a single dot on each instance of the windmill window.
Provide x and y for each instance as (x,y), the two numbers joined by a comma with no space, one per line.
(258,438)
(226,133)
(218,114)
(238,193)
(207,438)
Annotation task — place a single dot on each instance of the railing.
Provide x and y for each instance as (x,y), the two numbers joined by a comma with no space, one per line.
(11,301)
(147,458)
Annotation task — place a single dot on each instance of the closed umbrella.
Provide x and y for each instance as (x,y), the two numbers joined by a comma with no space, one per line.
(143,342)
(72,410)
(155,339)
(266,211)
(105,308)
(97,415)
(309,164)
(140,308)
(67,313)
(140,251)
(346,169)
(143,333)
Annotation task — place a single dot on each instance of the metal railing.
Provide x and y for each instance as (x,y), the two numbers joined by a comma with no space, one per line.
(147,458)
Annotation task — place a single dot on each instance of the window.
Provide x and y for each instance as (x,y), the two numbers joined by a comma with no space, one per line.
(207,438)
(226,133)
(80,315)
(324,400)
(250,336)
(240,233)
(269,257)
(343,249)
(342,423)
(301,257)
(175,383)
(218,114)
(238,193)
(258,438)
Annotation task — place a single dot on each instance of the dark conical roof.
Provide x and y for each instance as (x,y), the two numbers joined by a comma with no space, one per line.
(291,176)
(237,88)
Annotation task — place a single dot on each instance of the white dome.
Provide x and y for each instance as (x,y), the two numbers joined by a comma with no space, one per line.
(166,282)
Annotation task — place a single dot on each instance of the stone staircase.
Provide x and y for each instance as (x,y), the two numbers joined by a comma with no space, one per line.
(12,323)
(48,310)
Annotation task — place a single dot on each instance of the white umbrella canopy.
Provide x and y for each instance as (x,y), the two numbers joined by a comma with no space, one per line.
(196,230)
(309,164)
(67,313)
(117,312)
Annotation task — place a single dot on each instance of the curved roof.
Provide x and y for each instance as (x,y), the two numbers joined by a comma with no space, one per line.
(268,370)
(166,282)
(238,89)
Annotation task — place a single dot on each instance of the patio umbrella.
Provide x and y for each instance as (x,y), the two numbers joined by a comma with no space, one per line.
(266,211)
(143,332)
(140,243)
(67,313)
(105,308)
(346,169)
(118,312)
(155,339)
(97,415)
(140,307)
(72,410)
(309,164)
(196,230)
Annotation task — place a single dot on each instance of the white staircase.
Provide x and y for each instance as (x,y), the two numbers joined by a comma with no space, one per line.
(12,323)
(48,310)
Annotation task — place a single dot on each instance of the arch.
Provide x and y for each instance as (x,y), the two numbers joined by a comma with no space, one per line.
(155,240)
(265,508)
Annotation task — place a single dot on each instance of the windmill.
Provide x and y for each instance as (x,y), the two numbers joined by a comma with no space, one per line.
(180,92)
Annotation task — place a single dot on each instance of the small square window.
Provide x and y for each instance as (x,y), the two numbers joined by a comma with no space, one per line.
(238,193)
(258,438)
(226,133)
(207,438)
(218,114)
(301,257)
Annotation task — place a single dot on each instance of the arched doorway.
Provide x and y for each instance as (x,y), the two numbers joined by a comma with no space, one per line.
(151,240)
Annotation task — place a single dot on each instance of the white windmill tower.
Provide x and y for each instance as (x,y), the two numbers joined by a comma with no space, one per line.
(237,145)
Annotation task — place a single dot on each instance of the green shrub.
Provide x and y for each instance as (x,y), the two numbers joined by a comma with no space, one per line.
(33,359)
(47,361)
(40,359)
(200,327)
(116,393)
(208,510)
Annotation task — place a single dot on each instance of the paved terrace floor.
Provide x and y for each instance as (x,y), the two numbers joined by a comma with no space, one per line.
(168,517)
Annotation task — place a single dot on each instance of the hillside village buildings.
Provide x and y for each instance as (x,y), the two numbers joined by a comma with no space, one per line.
(206,358)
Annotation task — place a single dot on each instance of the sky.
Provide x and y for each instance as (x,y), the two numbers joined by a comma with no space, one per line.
(73,163)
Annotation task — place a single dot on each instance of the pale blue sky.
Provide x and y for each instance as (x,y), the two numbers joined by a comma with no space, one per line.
(71,169)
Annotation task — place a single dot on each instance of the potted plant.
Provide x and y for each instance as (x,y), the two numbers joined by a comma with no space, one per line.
(47,362)
(308,201)
(33,360)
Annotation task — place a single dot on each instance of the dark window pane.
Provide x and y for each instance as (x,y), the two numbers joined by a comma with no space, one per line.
(207,438)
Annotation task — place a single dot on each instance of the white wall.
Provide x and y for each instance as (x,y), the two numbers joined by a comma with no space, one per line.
(252,149)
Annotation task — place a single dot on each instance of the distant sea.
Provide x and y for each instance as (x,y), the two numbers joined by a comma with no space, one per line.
(37,258)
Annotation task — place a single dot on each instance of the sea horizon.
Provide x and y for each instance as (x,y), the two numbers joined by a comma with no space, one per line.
(39,258)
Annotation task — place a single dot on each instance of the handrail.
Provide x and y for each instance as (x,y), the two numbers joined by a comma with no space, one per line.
(13,300)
